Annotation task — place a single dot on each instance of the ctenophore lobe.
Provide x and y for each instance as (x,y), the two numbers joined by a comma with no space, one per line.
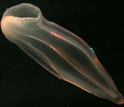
(58,50)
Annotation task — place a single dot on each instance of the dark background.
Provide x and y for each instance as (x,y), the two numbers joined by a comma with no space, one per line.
(23,83)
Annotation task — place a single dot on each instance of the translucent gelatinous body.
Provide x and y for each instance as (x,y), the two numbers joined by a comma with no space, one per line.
(58,50)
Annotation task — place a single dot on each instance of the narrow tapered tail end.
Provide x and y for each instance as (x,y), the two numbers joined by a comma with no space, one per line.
(120,102)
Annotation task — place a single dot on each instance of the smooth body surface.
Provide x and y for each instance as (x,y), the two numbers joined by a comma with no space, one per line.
(58,50)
